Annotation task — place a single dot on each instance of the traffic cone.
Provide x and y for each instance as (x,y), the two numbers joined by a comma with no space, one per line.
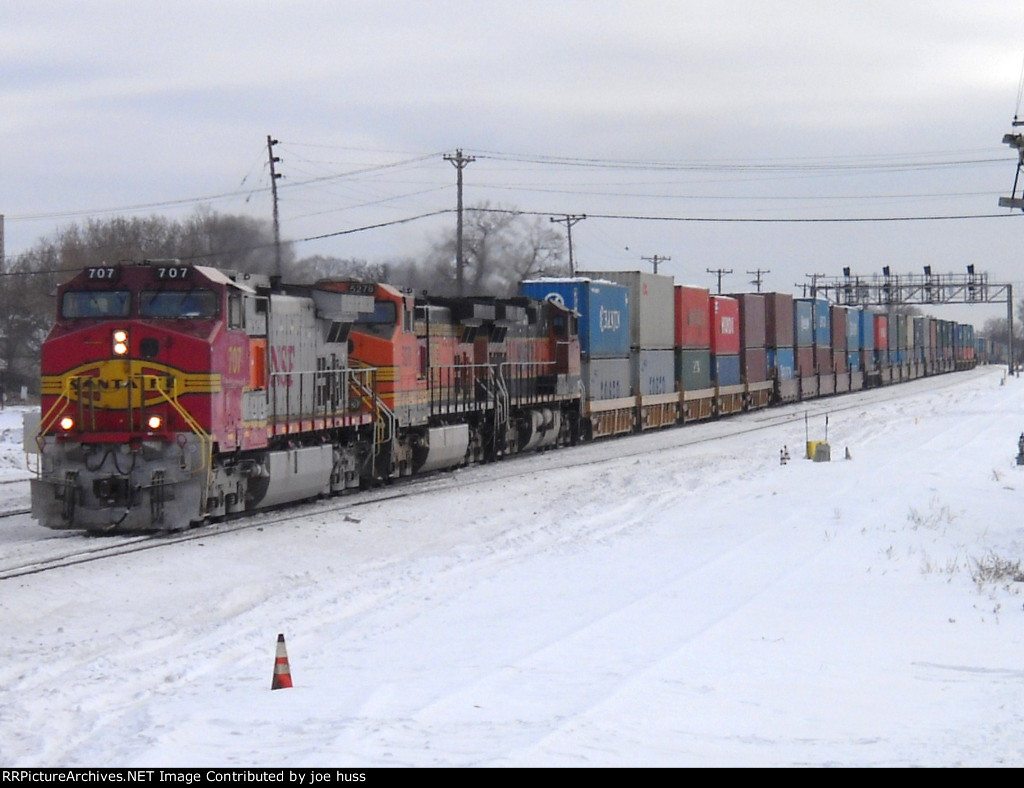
(282,672)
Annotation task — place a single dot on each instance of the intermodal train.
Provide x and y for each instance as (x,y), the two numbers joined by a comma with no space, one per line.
(174,394)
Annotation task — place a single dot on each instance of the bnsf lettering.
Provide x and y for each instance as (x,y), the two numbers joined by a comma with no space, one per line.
(105,274)
(282,360)
(611,319)
(177,272)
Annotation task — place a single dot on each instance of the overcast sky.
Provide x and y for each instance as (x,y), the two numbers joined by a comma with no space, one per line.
(669,115)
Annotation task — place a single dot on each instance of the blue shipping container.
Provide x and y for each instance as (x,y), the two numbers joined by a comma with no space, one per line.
(853,359)
(725,370)
(781,363)
(853,318)
(867,329)
(603,308)
(822,314)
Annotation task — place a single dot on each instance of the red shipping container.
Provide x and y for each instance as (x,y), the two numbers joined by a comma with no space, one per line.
(839,318)
(754,365)
(725,326)
(805,361)
(823,360)
(693,317)
(752,319)
(881,332)
(778,320)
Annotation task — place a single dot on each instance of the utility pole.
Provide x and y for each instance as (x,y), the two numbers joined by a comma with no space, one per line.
(655,260)
(569,220)
(757,274)
(274,175)
(814,283)
(460,162)
(719,272)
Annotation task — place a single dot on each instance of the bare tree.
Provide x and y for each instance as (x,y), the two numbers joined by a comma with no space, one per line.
(26,314)
(501,247)
(309,269)
(238,243)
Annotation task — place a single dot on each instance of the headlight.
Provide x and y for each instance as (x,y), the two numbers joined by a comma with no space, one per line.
(67,423)
(155,422)
(120,342)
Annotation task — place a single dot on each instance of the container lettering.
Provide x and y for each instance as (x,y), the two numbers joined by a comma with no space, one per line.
(611,319)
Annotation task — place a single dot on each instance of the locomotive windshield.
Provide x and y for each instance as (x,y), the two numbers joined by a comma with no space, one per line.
(96,303)
(178,303)
(381,322)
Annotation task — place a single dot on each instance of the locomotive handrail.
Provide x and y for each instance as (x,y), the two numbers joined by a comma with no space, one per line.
(299,398)
(459,390)
(520,366)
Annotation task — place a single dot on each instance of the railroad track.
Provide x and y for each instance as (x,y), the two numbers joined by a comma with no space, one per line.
(86,551)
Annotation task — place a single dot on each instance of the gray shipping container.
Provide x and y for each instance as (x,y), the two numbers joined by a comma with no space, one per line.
(803,323)
(654,371)
(606,378)
(651,306)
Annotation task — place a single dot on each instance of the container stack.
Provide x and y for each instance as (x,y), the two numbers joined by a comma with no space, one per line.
(753,353)
(603,309)
(779,346)
(652,343)
(920,346)
(853,321)
(946,342)
(725,354)
(803,335)
(693,351)
(821,310)
(931,344)
(965,350)
(896,340)
(882,348)
(908,347)
(839,316)
(867,348)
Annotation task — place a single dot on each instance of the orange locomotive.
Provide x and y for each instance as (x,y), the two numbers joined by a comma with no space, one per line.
(174,393)
(466,379)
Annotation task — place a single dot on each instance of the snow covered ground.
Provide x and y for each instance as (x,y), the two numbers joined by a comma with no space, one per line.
(660,603)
